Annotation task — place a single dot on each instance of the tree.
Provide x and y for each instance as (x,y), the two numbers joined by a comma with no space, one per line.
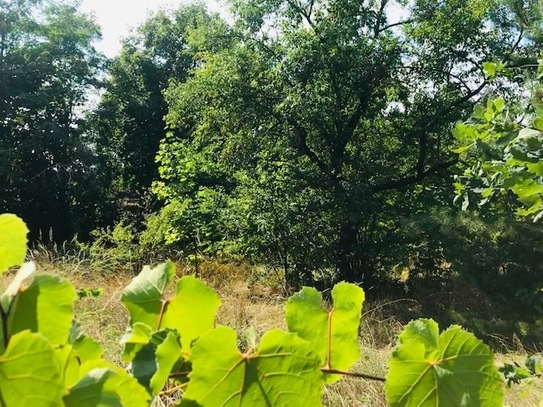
(47,67)
(324,123)
(129,122)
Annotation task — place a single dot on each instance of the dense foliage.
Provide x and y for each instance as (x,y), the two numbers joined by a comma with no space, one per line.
(322,124)
(317,138)
(48,65)
(45,360)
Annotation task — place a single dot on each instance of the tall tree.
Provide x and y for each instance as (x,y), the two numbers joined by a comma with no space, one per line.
(47,66)
(325,122)
(130,123)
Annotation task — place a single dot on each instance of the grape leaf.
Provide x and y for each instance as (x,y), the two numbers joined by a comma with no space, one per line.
(333,334)
(46,306)
(138,336)
(283,371)
(103,384)
(13,241)
(143,296)
(30,374)
(153,362)
(86,348)
(451,369)
(192,311)
(167,354)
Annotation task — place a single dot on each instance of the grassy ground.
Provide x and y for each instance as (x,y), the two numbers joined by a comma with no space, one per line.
(249,303)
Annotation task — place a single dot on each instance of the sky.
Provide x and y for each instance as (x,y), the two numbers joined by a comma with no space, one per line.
(117,17)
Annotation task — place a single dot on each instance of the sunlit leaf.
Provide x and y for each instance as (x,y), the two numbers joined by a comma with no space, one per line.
(46,306)
(333,334)
(13,241)
(144,295)
(191,311)
(103,384)
(282,371)
(30,373)
(453,368)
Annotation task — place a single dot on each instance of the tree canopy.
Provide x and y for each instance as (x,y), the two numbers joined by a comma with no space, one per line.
(321,123)
(47,66)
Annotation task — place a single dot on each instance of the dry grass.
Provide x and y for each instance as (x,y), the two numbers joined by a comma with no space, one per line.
(246,304)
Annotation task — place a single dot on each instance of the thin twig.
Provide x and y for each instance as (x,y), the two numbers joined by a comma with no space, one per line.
(353,374)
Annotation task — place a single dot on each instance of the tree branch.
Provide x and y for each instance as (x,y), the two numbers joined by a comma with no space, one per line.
(413,179)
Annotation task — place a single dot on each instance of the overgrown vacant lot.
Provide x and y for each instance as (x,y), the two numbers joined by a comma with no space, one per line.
(252,301)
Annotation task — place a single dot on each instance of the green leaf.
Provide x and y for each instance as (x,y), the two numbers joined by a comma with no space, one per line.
(333,334)
(138,336)
(46,306)
(30,374)
(167,354)
(451,369)
(105,387)
(87,349)
(283,371)
(192,311)
(153,362)
(103,384)
(143,296)
(490,68)
(13,241)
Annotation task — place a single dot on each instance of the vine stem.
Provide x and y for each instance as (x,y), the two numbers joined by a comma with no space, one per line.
(353,374)
(172,390)
(4,316)
(161,315)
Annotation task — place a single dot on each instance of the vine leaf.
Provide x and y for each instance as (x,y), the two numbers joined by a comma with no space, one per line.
(167,354)
(191,311)
(136,338)
(30,374)
(13,241)
(46,306)
(154,361)
(451,369)
(333,334)
(143,296)
(282,371)
(103,384)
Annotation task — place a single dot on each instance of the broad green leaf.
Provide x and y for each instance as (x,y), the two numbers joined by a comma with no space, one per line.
(167,354)
(527,188)
(30,373)
(87,349)
(94,389)
(70,364)
(46,306)
(490,68)
(283,371)
(333,334)
(103,384)
(13,241)
(144,295)
(153,362)
(138,336)
(451,369)
(192,311)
